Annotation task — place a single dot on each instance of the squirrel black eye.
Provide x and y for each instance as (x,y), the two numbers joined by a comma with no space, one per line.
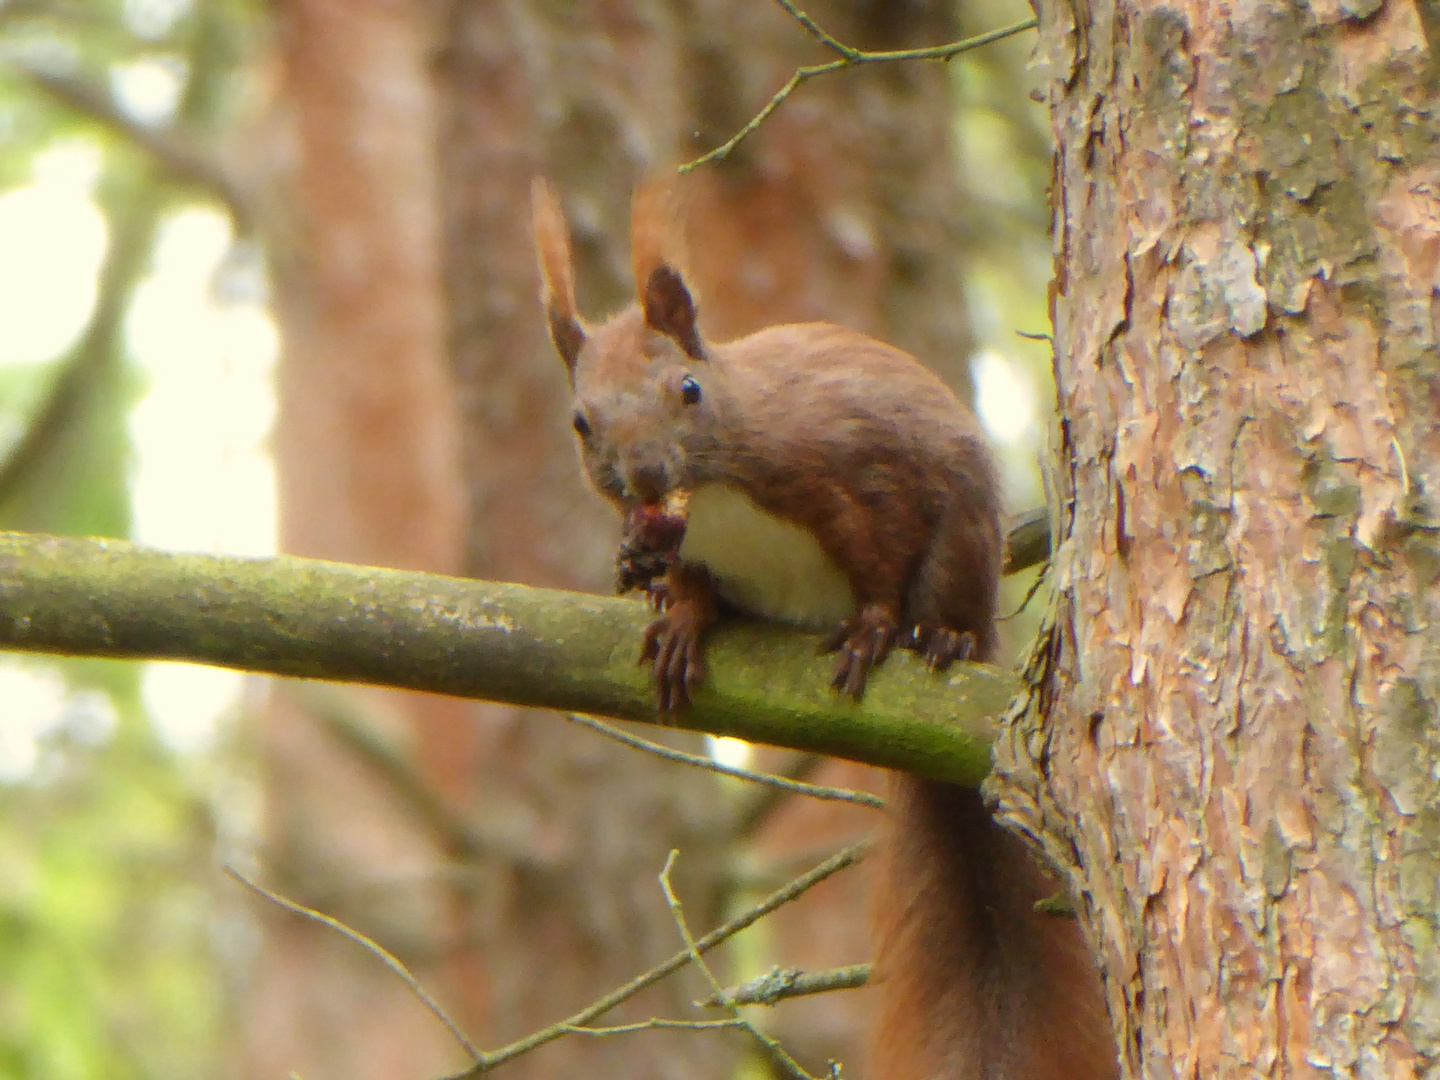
(689,390)
(581,425)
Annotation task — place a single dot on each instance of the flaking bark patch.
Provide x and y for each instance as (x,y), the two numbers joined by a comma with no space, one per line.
(1230,734)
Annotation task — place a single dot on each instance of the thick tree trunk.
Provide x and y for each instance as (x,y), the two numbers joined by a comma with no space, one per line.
(1232,743)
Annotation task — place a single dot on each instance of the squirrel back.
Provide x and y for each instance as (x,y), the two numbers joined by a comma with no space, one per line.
(834,482)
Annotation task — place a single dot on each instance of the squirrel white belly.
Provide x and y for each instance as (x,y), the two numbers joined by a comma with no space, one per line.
(764,565)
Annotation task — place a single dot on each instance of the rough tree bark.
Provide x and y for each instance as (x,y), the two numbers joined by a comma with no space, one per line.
(1232,740)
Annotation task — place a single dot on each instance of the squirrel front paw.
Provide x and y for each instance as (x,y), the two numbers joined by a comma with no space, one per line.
(674,648)
(863,642)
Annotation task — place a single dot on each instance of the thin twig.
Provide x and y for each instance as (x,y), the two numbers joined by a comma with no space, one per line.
(849,57)
(781,1060)
(699,761)
(816,32)
(654,1024)
(837,862)
(1029,594)
(753,875)
(778,983)
(373,947)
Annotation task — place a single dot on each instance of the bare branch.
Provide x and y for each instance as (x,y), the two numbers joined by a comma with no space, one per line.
(581,1022)
(698,761)
(1035,587)
(849,57)
(751,873)
(780,983)
(497,642)
(752,814)
(833,865)
(364,942)
(1028,542)
(654,1024)
(817,33)
(779,1059)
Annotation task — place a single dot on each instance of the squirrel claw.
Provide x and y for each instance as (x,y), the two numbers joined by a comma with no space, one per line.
(677,661)
(941,646)
(863,643)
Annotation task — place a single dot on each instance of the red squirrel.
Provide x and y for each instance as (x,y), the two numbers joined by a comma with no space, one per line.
(836,484)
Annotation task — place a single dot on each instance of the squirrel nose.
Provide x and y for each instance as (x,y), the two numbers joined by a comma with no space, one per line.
(648,482)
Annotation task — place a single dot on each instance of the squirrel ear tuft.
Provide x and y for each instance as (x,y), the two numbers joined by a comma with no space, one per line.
(557,274)
(657,250)
(670,309)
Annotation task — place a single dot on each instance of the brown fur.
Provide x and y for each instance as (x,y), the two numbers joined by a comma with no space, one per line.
(876,460)
(978,985)
(557,273)
(656,237)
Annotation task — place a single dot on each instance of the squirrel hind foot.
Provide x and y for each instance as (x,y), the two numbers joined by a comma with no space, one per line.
(863,641)
(941,646)
(674,649)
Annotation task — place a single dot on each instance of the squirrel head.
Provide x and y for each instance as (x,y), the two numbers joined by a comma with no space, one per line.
(646,392)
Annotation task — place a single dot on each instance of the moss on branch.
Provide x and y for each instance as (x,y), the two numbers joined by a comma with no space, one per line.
(477,639)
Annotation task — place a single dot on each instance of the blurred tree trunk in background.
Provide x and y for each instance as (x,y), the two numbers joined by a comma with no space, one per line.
(112,913)
(366,456)
(843,207)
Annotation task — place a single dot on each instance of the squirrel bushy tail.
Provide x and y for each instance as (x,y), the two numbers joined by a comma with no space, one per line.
(975,983)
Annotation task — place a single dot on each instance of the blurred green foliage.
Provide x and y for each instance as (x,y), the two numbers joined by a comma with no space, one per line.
(110,942)
(106,959)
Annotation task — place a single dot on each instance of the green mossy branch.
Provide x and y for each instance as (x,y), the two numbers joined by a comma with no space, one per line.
(478,639)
